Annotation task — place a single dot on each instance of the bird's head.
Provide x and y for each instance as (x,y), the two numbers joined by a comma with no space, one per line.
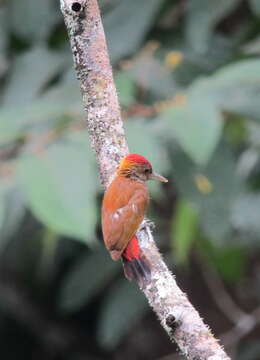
(138,167)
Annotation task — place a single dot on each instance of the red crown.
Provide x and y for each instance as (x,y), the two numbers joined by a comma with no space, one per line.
(139,159)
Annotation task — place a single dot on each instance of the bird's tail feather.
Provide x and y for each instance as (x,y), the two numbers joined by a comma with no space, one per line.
(136,266)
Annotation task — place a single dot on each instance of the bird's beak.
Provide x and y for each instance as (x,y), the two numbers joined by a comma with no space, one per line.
(155,176)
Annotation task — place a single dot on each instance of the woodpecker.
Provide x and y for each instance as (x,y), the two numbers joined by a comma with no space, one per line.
(123,209)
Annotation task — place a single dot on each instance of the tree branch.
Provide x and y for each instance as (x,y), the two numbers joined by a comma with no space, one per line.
(181,321)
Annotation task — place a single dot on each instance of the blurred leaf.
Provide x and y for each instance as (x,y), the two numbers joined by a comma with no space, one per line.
(211,189)
(125,88)
(33,20)
(60,100)
(86,279)
(47,259)
(153,76)
(235,129)
(253,129)
(184,226)
(12,211)
(142,139)
(230,262)
(3,41)
(247,162)
(127,24)
(235,88)
(252,47)
(249,350)
(2,212)
(255,6)
(2,207)
(220,52)
(196,125)
(245,218)
(202,17)
(31,71)
(60,184)
(241,73)
(122,308)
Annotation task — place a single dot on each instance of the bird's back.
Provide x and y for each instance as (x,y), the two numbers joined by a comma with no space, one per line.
(123,210)
(120,191)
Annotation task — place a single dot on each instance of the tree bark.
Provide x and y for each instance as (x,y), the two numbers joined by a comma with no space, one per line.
(179,318)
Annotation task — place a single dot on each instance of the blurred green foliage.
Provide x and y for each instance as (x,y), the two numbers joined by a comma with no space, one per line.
(188,79)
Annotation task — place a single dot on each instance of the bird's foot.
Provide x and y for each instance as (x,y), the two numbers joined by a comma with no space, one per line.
(147,224)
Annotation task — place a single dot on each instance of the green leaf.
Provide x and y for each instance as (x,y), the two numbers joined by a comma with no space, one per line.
(2,212)
(120,311)
(79,287)
(252,47)
(126,88)
(253,132)
(196,125)
(255,6)
(127,24)
(33,20)
(3,40)
(202,17)
(184,226)
(235,88)
(60,100)
(230,261)
(212,189)
(2,208)
(31,71)
(60,185)
(152,75)
(243,74)
(12,211)
(142,139)
(245,218)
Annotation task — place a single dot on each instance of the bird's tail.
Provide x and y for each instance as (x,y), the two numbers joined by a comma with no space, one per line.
(136,265)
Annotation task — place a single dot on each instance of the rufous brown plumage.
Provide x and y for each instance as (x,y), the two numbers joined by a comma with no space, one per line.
(123,210)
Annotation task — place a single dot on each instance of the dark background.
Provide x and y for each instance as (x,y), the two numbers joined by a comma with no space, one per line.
(188,79)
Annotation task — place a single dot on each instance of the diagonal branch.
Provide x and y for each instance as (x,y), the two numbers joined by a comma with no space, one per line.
(181,321)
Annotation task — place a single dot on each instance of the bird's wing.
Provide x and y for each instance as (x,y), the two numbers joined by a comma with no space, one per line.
(120,225)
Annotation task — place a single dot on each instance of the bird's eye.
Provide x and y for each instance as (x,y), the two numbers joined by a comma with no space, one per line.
(147,171)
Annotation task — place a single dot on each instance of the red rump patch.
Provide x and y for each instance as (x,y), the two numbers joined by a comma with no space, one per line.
(132,251)
(136,158)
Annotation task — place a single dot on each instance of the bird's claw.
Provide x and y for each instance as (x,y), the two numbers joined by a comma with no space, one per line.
(147,224)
